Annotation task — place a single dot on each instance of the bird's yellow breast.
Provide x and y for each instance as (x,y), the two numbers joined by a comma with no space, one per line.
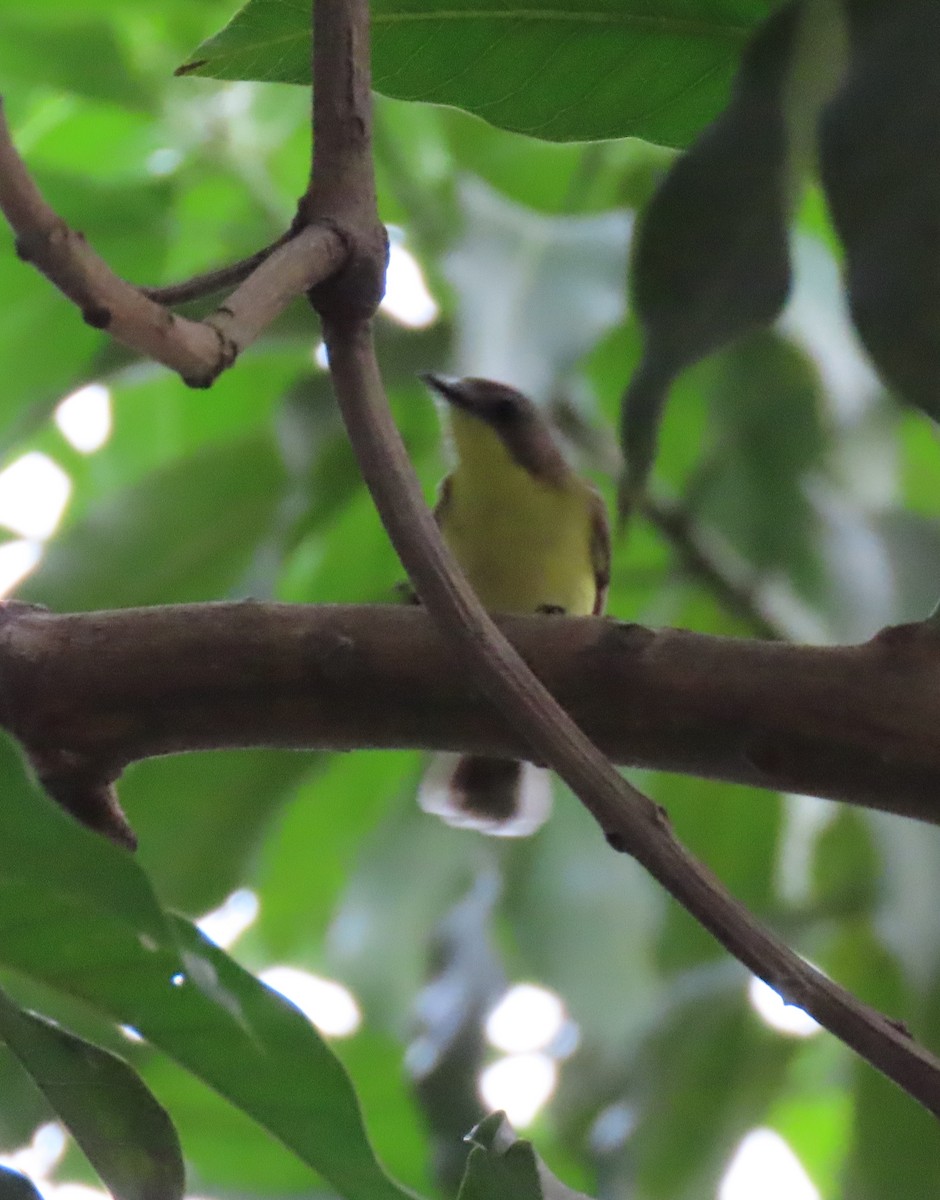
(522,543)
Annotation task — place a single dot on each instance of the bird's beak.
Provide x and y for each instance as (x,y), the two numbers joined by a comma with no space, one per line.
(450,389)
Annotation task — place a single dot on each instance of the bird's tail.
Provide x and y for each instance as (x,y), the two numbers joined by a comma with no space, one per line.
(498,796)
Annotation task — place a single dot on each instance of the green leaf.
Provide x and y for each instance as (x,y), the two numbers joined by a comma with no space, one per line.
(504,1167)
(105,941)
(767,408)
(127,1136)
(224,799)
(271,1061)
(554,71)
(23,1109)
(877,143)
(714,821)
(328,817)
(499,1167)
(711,259)
(897,1143)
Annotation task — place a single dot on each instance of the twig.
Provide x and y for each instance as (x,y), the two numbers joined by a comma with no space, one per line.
(629,820)
(198,350)
(212,282)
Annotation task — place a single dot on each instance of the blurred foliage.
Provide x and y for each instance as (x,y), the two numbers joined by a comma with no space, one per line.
(783,449)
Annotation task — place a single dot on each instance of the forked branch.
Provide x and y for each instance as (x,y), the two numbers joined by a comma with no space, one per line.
(198,350)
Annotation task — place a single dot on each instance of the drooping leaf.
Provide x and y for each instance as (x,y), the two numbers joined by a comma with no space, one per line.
(711,258)
(126,1135)
(106,941)
(880,138)
(652,73)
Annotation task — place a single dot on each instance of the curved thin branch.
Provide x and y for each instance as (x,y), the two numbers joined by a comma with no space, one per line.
(629,820)
(212,282)
(198,350)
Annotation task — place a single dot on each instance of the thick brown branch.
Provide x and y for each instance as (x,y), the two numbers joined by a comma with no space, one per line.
(854,723)
(198,350)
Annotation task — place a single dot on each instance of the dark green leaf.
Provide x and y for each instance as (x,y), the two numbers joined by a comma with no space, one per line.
(499,1166)
(553,71)
(880,138)
(711,259)
(127,1136)
(767,426)
(504,1167)
(105,940)
(23,1109)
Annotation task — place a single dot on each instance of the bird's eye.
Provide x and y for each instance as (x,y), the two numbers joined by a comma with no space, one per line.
(504,410)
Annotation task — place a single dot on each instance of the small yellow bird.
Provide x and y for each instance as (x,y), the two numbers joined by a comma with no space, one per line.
(531,536)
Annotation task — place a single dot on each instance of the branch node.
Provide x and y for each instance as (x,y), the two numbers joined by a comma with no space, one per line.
(355,291)
(86,790)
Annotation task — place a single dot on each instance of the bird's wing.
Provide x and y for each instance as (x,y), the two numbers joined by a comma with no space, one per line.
(600,550)
(443,500)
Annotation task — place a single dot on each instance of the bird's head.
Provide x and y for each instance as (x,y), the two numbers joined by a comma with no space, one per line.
(497,404)
(520,427)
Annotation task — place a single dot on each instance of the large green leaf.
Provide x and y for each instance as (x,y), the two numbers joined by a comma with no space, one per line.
(877,136)
(557,70)
(105,940)
(126,1135)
